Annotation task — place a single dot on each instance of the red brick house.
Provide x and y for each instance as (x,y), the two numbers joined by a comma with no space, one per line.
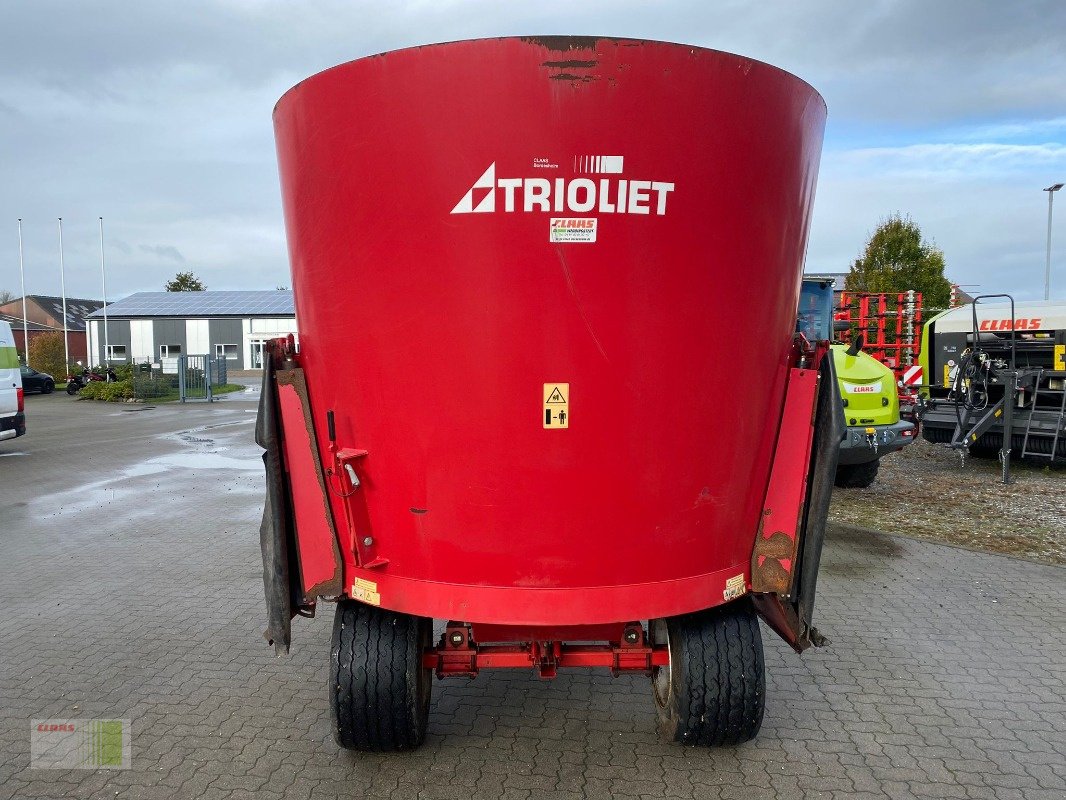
(44,314)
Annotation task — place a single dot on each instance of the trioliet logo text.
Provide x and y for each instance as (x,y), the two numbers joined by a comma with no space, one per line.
(491,193)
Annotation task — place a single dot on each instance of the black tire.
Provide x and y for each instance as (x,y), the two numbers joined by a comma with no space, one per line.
(379,691)
(48,388)
(72,388)
(857,476)
(714,691)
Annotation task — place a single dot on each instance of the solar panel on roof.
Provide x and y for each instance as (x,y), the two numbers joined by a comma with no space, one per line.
(211,303)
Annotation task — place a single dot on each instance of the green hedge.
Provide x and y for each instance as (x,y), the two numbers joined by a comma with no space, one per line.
(158,389)
(111,392)
(153,385)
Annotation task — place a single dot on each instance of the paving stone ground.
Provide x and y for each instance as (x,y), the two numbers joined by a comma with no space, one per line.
(131,588)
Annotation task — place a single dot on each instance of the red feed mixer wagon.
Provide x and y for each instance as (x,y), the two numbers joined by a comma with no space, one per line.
(513,410)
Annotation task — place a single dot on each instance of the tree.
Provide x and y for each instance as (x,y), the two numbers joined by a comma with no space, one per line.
(46,355)
(185,282)
(5,296)
(896,259)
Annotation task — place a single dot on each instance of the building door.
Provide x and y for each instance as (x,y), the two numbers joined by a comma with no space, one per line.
(257,353)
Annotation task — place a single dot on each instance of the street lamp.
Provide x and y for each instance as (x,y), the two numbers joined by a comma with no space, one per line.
(1047,269)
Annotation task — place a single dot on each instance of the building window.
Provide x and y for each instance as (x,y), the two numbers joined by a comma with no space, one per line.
(226,351)
(116,352)
(169,350)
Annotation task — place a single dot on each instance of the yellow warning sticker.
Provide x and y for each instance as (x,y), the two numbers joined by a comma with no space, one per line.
(734,587)
(366,592)
(1060,357)
(556,405)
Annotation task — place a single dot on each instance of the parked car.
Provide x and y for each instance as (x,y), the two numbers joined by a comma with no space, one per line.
(34,381)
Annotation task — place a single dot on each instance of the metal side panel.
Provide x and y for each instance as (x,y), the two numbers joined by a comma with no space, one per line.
(778,539)
(788,546)
(321,569)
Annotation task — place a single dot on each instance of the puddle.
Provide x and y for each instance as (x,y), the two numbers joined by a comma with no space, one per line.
(194,439)
(198,453)
(140,470)
(204,428)
(205,461)
(133,408)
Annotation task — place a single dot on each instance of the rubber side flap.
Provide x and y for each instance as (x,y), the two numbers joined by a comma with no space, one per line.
(276,535)
(829,432)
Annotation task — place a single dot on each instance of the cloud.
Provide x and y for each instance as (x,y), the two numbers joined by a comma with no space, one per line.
(952,160)
(157,116)
(165,251)
(1031,129)
(980,202)
(975,188)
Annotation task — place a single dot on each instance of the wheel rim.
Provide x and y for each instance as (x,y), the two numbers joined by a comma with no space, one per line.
(661,677)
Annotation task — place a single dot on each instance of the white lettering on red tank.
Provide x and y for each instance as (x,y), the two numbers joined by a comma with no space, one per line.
(580,195)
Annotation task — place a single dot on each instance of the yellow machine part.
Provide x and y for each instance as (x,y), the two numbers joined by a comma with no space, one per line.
(867,387)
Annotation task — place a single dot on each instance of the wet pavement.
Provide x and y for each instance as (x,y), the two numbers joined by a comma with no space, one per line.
(132,589)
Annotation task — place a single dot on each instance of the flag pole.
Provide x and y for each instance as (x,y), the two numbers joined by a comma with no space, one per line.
(22,283)
(103,288)
(63,290)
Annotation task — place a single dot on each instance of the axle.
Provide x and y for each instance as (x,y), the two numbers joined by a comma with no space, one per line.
(458,655)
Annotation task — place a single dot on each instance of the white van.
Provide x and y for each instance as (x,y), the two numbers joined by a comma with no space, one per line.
(12,414)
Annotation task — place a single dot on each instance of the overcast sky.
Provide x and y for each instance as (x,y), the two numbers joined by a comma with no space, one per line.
(157,116)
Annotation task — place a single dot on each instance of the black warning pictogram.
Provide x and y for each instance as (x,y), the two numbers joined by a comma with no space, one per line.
(556,396)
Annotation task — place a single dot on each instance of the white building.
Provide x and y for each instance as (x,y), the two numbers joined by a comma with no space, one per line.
(159,326)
